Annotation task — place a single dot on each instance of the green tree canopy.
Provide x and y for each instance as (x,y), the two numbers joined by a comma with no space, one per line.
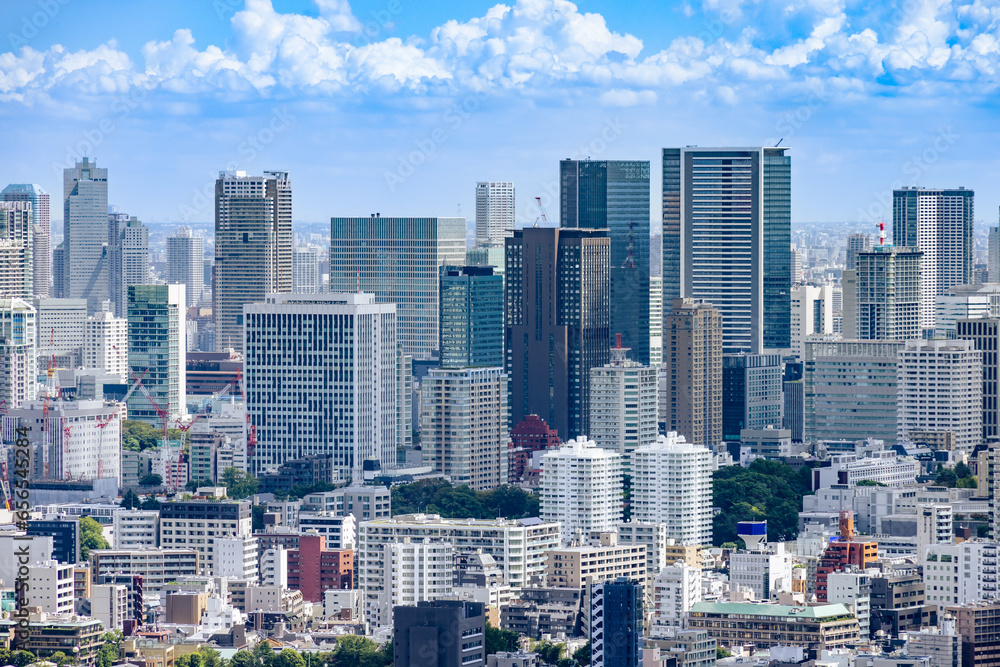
(91,537)
(238,483)
(582,654)
(130,499)
(150,503)
(766,490)
(498,640)
(436,496)
(868,482)
(152,479)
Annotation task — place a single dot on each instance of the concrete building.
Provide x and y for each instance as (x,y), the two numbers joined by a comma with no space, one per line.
(692,351)
(856,243)
(654,537)
(235,557)
(888,294)
(935,525)
(471,318)
(109,605)
(494,212)
(623,405)
(964,302)
(65,534)
(185,524)
(136,529)
(128,258)
(61,327)
(186,264)
(314,568)
(156,566)
(340,530)
(426,634)
(656,321)
(942,645)
(51,587)
(581,488)
(676,588)
(85,229)
(751,394)
(105,345)
(306,275)
(985,336)
(854,591)
(16,236)
(410,572)
(41,244)
(812,313)
(157,342)
(978,625)
(580,566)
(963,573)
(17,352)
(362,502)
(274,567)
(616,622)
(764,569)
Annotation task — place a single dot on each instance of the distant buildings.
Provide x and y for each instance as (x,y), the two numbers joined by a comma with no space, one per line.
(623,405)
(494,212)
(16,265)
(186,263)
(306,275)
(41,244)
(581,489)
(105,345)
(751,393)
(128,258)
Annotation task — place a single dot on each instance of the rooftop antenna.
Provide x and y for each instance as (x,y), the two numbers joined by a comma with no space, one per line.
(779,142)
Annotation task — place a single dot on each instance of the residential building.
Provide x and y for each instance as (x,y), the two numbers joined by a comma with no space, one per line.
(978,625)
(85,232)
(362,502)
(616,622)
(557,307)
(16,236)
(985,336)
(963,573)
(41,244)
(935,525)
(942,645)
(105,345)
(339,530)
(253,247)
(444,633)
(531,435)
(843,553)
(623,405)
(751,393)
(614,195)
(689,648)
(334,358)
(14,544)
(541,611)
(580,566)
(197,524)
(17,352)
(109,605)
(314,568)
(51,587)
(853,590)
(67,634)
(581,489)
(203,454)
(136,529)
(764,569)
(411,571)
(128,258)
(888,294)
(471,318)
(676,588)
(157,347)
(157,567)
(656,321)
(726,239)
(306,275)
(186,264)
(692,348)
(494,212)
(235,557)
(398,260)
(274,567)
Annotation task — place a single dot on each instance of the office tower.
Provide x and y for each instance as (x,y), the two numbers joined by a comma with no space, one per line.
(795,265)
(656,321)
(156,346)
(993,255)
(616,623)
(726,239)
(812,313)
(16,267)
(398,260)
(306,276)
(253,247)
(59,288)
(440,633)
(85,225)
(128,258)
(751,394)
(849,390)
(856,243)
(463,424)
(623,405)
(184,523)
(692,346)
(964,302)
(65,534)
(557,296)
(614,195)
(937,222)
(471,318)
(321,380)
(17,352)
(41,243)
(889,289)
(941,389)
(186,263)
(672,484)
(581,488)
(494,213)
(849,303)
(985,336)
(60,332)
(105,344)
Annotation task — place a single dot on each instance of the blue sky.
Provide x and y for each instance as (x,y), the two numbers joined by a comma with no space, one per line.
(400,107)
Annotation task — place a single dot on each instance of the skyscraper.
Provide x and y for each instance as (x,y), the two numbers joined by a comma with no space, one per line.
(41,244)
(614,195)
(186,263)
(85,224)
(16,269)
(557,311)
(751,394)
(888,292)
(320,380)
(939,224)
(156,346)
(128,258)
(253,247)
(616,623)
(105,345)
(398,260)
(17,352)
(494,212)
(306,278)
(993,255)
(984,332)
(726,239)
(692,350)
(856,243)
(623,405)
(471,317)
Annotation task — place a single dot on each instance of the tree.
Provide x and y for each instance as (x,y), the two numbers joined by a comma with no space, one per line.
(967,483)
(243,658)
(111,649)
(289,658)
(194,484)
(946,477)
(582,654)
(548,652)
(257,513)
(721,653)
(210,657)
(239,484)
(498,640)
(91,537)
(152,479)
(356,651)
(765,490)
(868,482)
(264,654)
(60,658)
(437,496)
(962,470)
(130,499)
(150,503)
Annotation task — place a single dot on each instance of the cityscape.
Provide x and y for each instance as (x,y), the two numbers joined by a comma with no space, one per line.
(645,403)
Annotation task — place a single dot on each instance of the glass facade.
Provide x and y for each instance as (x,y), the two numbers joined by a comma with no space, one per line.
(471,317)
(156,346)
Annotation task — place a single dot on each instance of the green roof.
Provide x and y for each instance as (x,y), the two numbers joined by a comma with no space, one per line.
(821,612)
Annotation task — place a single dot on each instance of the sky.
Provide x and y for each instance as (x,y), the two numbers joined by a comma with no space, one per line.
(399,107)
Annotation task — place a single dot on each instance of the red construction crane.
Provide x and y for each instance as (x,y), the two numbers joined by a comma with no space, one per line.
(541,209)
(161,411)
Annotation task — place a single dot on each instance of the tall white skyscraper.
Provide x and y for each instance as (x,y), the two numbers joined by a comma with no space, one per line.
(494,212)
(672,484)
(623,405)
(463,418)
(306,277)
(940,388)
(85,224)
(156,346)
(16,268)
(105,344)
(128,258)
(186,263)
(656,321)
(321,380)
(41,246)
(581,488)
(17,352)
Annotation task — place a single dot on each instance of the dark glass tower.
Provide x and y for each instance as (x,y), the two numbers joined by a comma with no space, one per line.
(471,317)
(614,195)
(616,623)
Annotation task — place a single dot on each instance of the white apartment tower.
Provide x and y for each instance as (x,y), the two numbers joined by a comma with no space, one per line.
(676,588)
(581,488)
(16,236)
(812,313)
(410,571)
(672,484)
(306,277)
(494,212)
(186,263)
(321,380)
(623,408)
(17,352)
(105,344)
(463,424)
(940,388)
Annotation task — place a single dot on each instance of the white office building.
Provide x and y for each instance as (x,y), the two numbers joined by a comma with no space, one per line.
(623,409)
(767,571)
(494,212)
(957,574)
(61,329)
(676,589)
(136,529)
(17,352)
(656,321)
(105,344)
(941,389)
(581,488)
(672,484)
(935,525)
(274,567)
(235,557)
(812,313)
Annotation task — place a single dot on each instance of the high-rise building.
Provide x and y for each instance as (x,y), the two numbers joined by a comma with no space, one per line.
(443,633)
(306,276)
(888,294)
(985,336)
(61,329)
(726,239)
(463,425)
(937,222)
(156,347)
(656,321)
(494,212)
(471,317)
(581,489)
(676,588)
(59,288)
(105,344)
(41,243)
(186,263)
(398,260)
(795,265)
(128,258)
(253,247)
(623,407)
(17,352)
(692,348)
(16,266)
(751,393)
(411,571)
(993,255)
(85,224)
(856,243)
(672,484)
(616,623)
(614,195)
(557,311)
(941,389)
(812,313)
(321,380)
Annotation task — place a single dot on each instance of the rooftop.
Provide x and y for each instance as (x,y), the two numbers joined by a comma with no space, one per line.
(820,612)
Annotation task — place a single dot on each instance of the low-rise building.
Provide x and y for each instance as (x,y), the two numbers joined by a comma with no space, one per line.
(157,566)
(79,637)
(575,567)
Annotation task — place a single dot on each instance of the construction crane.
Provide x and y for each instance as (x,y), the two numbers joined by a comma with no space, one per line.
(184,428)
(161,411)
(541,210)
(251,429)
(5,485)
(103,423)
